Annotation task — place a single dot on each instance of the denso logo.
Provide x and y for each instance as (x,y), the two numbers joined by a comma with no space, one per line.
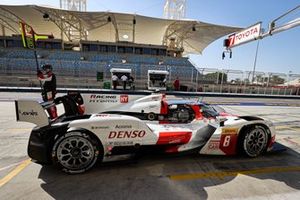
(124,98)
(127,134)
(28,113)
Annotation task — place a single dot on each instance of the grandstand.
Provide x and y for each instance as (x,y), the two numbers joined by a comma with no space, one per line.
(79,69)
(87,45)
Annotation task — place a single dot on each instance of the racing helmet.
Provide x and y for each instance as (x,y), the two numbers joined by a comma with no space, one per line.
(47,67)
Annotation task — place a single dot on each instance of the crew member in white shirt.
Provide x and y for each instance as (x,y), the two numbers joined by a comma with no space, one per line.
(114,79)
(124,78)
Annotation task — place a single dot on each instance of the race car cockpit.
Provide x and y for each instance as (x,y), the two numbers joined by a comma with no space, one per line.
(180,113)
(187,112)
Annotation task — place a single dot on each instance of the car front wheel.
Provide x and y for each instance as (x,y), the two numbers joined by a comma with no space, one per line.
(254,141)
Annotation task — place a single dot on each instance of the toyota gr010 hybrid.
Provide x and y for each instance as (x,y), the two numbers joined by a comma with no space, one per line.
(75,141)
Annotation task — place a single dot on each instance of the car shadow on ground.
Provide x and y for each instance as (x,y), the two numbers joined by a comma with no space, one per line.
(188,176)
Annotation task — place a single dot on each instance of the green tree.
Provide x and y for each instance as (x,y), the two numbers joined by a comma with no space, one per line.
(216,76)
(275,79)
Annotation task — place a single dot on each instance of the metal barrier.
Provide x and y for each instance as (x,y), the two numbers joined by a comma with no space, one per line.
(83,74)
(246,82)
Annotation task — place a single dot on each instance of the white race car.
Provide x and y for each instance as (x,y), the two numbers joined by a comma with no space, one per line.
(76,142)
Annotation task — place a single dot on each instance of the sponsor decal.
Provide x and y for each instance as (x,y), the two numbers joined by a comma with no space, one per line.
(94,98)
(123,126)
(124,98)
(99,127)
(213,145)
(28,113)
(121,143)
(228,131)
(127,134)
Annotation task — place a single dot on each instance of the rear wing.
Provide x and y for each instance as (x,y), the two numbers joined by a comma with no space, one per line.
(33,112)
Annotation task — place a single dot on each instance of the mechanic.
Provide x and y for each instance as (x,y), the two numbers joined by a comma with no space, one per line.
(48,85)
(131,82)
(176,84)
(163,83)
(114,79)
(124,79)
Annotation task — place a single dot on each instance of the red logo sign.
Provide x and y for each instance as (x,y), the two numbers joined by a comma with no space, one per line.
(246,35)
(124,98)
(231,40)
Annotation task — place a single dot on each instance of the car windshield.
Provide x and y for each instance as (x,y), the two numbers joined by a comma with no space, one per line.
(209,111)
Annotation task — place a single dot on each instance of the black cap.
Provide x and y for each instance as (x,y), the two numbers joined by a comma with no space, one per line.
(47,66)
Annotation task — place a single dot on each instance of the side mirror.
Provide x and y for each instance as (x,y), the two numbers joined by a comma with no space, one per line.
(221,120)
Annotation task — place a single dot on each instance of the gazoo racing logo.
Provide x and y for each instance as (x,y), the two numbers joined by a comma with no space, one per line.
(103,98)
(127,134)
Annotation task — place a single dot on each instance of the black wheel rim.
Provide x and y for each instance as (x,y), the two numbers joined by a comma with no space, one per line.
(75,153)
(255,142)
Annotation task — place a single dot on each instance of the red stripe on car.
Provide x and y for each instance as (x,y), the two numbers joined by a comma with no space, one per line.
(174,137)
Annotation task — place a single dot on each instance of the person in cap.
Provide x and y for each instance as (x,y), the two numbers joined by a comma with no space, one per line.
(48,85)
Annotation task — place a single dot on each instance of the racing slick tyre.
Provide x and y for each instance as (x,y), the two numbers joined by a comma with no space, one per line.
(253,141)
(75,152)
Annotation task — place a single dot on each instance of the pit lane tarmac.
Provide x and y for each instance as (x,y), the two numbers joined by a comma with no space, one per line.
(187,176)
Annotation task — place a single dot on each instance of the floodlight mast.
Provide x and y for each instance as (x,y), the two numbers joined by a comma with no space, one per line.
(174,9)
(75,5)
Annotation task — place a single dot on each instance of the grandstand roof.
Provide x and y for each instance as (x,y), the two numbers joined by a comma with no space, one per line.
(193,36)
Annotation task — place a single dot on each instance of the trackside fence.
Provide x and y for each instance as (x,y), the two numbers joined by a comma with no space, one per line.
(20,72)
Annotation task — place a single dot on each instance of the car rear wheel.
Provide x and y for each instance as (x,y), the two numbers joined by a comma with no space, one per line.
(75,152)
(254,141)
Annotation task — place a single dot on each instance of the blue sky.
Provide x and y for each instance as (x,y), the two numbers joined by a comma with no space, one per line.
(278,53)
